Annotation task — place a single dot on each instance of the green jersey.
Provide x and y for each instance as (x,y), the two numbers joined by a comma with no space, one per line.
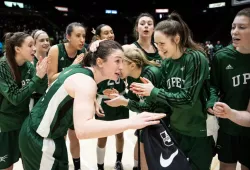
(111,113)
(138,103)
(14,98)
(150,56)
(230,82)
(53,114)
(184,84)
(41,90)
(63,59)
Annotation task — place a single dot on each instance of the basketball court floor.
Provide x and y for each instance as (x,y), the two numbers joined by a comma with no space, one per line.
(88,154)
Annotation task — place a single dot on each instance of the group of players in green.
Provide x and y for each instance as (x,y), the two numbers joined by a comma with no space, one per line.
(44,98)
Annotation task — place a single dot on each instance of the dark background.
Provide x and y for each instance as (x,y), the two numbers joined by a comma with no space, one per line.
(211,24)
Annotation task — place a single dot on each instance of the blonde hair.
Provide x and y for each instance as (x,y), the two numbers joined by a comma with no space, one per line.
(135,55)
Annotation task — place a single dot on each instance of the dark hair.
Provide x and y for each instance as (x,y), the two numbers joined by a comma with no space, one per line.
(36,33)
(13,40)
(173,26)
(70,27)
(137,22)
(98,29)
(244,12)
(105,48)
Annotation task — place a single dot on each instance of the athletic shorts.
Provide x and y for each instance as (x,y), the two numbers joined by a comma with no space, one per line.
(233,149)
(199,150)
(9,150)
(42,153)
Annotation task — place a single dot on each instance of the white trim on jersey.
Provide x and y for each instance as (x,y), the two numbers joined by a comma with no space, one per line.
(44,126)
(48,150)
(102,96)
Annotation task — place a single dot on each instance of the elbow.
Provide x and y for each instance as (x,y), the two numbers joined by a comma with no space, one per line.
(82,134)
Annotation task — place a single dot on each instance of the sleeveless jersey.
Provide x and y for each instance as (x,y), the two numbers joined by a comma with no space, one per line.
(111,113)
(63,59)
(53,114)
(150,56)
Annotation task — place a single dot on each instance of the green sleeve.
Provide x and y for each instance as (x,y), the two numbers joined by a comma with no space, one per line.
(214,82)
(44,83)
(197,72)
(10,90)
(140,106)
(154,75)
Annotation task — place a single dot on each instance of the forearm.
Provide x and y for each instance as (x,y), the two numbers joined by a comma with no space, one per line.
(16,95)
(240,117)
(97,129)
(180,99)
(136,106)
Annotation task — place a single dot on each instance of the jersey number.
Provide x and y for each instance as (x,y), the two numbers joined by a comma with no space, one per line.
(111,82)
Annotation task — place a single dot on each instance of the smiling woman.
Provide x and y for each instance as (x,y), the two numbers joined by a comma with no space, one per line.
(183,88)
(42,46)
(71,100)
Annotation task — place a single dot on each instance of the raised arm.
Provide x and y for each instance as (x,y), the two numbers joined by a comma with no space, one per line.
(12,92)
(83,89)
(53,64)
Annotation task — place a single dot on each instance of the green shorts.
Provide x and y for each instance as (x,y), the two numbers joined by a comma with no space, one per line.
(232,149)
(199,150)
(113,113)
(9,150)
(42,153)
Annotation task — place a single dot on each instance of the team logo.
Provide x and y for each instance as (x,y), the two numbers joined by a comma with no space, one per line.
(2,159)
(168,142)
(166,139)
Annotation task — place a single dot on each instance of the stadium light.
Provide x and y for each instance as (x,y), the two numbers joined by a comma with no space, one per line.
(63,9)
(240,2)
(13,4)
(109,11)
(217,5)
(161,11)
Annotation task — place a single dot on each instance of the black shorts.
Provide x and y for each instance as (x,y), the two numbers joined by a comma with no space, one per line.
(233,149)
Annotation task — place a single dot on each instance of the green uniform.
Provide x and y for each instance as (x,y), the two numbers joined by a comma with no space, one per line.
(14,108)
(230,82)
(138,103)
(111,113)
(41,90)
(150,56)
(185,89)
(65,61)
(42,142)
(151,73)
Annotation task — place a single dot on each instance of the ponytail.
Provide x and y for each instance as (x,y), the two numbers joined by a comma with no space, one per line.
(13,40)
(175,25)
